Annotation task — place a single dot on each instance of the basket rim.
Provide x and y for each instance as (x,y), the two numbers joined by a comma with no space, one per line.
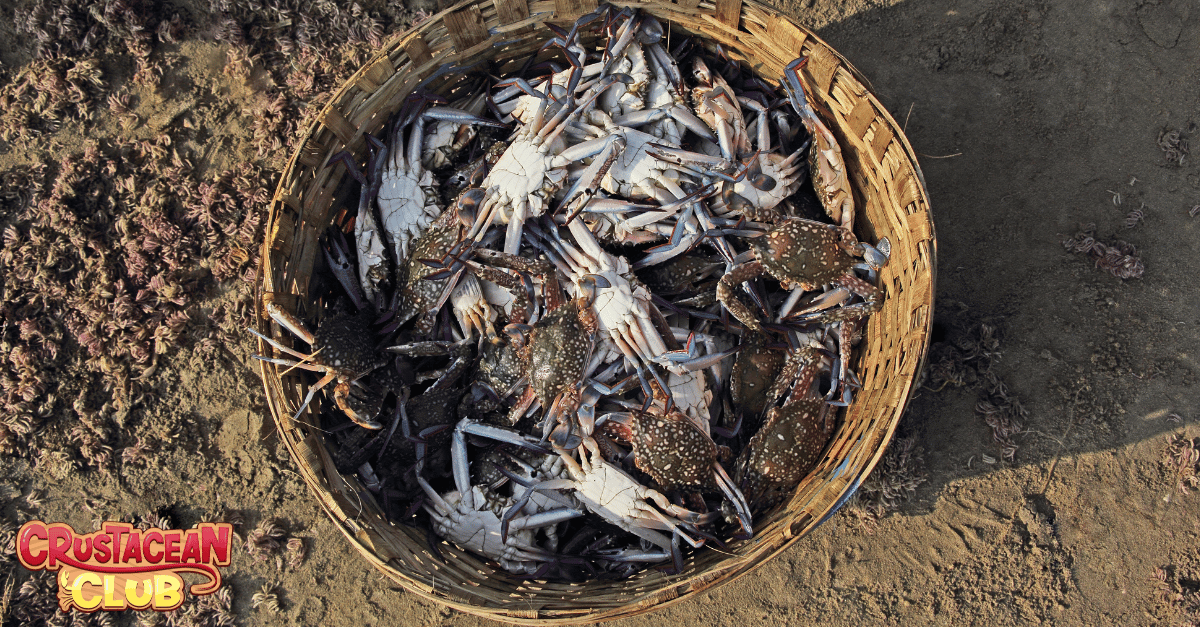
(664,595)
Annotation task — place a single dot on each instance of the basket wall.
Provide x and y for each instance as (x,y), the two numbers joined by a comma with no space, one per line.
(892,201)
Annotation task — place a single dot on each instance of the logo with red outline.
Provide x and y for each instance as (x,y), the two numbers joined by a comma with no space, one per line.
(121,567)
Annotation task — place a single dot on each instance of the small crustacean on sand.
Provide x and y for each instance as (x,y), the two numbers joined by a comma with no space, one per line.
(792,437)
(805,254)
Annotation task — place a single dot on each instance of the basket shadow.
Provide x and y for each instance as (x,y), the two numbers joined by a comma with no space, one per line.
(1079,361)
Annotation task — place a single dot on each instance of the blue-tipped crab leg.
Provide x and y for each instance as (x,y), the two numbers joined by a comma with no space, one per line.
(826,300)
(789,303)
(677,245)
(615,205)
(290,363)
(669,209)
(635,556)
(312,393)
(691,362)
(624,35)
(715,237)
(280,347)
(510,87)
(543,519)
(346,158)
(588,184)
(593,391)
(440,114)
(734,496)
(400,417)
(413,104)
(461,469)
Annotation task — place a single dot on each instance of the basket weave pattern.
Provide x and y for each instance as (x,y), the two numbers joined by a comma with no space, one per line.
(891,199)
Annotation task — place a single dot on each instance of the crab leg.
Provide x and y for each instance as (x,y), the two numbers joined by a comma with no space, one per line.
(576,470)
(441,114)
(676,112)
(368,236)
(735,496)
(872,302)
(279,346)
(606,151)
(462,473)
(675,247)
(288,362)
(312,392)
(826,300)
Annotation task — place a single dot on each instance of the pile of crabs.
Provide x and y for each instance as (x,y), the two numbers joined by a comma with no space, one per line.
(592,315)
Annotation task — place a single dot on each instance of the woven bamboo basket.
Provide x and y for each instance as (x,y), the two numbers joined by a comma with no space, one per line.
(889,190)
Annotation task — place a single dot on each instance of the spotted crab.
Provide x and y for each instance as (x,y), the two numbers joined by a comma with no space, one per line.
(670,448)
(423,285)
(407,193)
(755,368)
(792,437)
(554,354)
(342,350)
(805,254)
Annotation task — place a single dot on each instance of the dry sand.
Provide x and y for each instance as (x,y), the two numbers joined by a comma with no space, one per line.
(1030,117)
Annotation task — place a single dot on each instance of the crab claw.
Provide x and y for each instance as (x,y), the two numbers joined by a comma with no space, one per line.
(755,175)
(346,158)
(468,205)
(795,88)
(338,258)
(566,435)
(877,256)
(518,333)
(451,114)
(589,284)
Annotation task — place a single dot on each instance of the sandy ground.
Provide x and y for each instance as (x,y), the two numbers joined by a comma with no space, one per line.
(1030,117)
